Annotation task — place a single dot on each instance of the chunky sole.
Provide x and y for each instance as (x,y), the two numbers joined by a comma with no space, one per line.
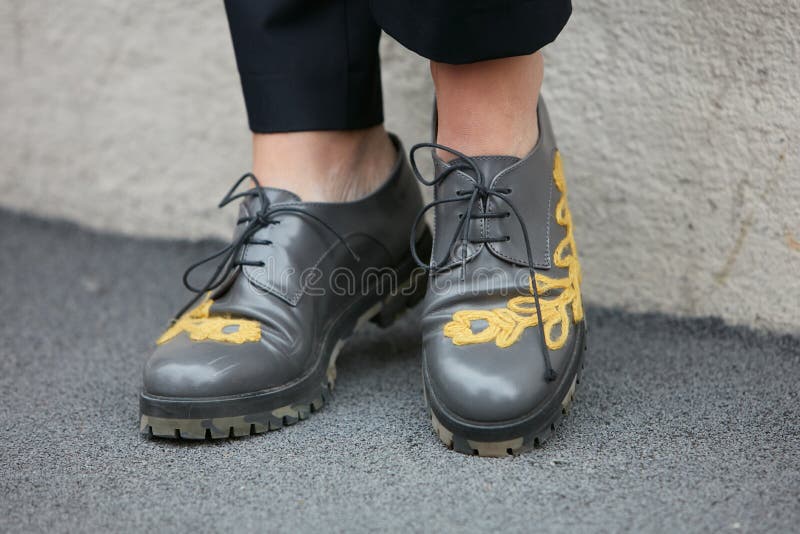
(244,415)
(511,438)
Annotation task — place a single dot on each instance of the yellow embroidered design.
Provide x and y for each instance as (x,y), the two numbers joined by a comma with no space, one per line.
(505,325)
(201,326)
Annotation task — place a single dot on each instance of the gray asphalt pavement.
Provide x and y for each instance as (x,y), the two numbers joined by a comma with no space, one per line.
(679,425)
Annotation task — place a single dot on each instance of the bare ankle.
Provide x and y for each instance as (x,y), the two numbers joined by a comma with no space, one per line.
(324,166)
(365,169)
(489,107)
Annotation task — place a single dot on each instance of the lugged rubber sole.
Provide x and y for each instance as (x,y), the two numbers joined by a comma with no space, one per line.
(525,440)
(231,427)
(305,400)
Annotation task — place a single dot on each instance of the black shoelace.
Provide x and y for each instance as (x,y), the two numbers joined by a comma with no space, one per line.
(230,255)
(478,190)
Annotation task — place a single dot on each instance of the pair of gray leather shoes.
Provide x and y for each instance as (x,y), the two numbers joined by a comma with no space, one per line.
(501,356)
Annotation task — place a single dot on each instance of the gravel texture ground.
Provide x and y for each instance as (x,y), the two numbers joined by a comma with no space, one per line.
(679,425)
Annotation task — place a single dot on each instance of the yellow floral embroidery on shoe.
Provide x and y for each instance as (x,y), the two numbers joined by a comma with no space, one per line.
(504,326)
(201,326)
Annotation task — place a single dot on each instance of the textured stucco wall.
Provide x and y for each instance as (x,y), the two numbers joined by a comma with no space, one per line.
(679,121)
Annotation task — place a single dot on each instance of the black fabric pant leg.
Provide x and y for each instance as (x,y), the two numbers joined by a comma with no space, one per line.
(307,64)
(314,65)
(466,31)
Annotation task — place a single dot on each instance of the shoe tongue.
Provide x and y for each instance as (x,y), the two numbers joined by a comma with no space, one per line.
(276,195)
(251,205)
(490,166)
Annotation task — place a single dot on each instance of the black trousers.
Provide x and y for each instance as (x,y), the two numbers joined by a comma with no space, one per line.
(313,64)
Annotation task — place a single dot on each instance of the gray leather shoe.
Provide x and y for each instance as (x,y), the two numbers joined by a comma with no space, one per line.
(501,357)
(257,350)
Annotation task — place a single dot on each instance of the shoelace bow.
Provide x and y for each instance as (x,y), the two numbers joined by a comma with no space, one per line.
(230,255)
(478,190)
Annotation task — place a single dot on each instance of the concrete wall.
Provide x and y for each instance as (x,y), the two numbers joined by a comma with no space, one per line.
(678,120)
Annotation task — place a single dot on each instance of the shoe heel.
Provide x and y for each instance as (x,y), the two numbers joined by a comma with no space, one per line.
(410,292)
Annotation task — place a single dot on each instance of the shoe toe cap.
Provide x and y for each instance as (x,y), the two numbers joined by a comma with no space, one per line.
(484,383)
(183,368)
